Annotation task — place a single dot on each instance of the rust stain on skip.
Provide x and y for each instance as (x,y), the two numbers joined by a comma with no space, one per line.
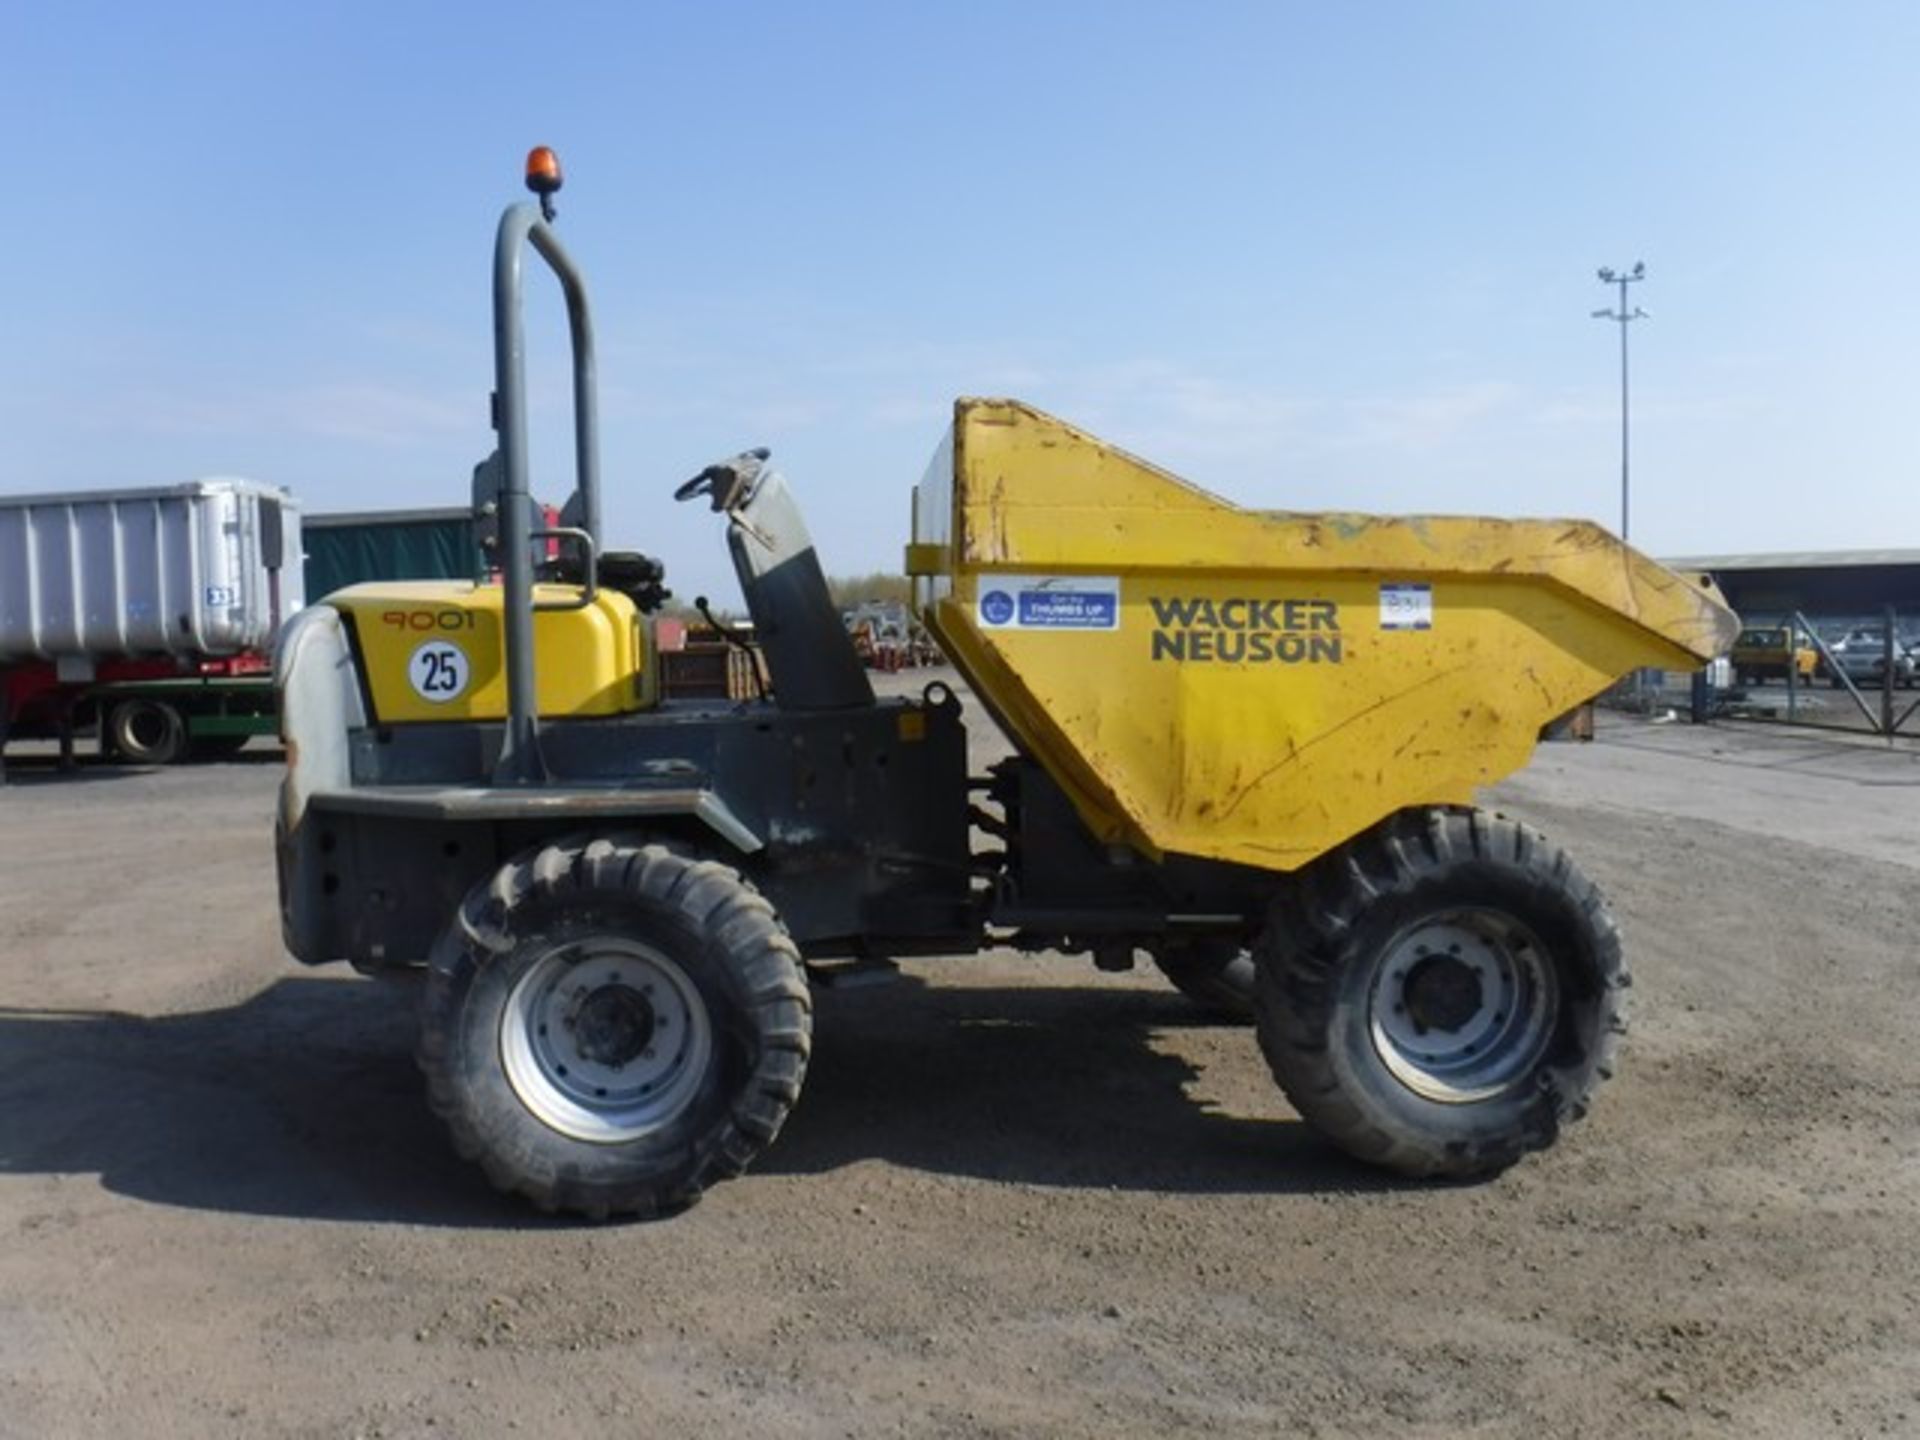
(997,546)
(1539,684)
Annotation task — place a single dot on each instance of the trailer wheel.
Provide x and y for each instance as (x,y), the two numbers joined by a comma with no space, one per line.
(1440,996)
(610,1026)
(1217,975)
(147,732)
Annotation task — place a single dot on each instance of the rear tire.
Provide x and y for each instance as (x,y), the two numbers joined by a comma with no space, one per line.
(611,1026)
(1440,996)
(1217,975)
(147,732)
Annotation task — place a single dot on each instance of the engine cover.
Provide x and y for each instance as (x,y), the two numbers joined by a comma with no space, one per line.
(433,650)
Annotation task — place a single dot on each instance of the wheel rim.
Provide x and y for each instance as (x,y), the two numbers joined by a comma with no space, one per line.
(605,1040)
(147,729)
(1462,1005)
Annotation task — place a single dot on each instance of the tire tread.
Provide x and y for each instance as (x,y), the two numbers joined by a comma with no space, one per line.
(1305,949)
(739,930)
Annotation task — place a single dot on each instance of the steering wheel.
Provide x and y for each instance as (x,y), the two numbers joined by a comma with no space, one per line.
(724,482)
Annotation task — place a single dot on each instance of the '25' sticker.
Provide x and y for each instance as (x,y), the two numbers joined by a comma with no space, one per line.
(439,672)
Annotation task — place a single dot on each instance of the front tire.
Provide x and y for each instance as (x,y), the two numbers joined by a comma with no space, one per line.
(611,1026)
(1440,996)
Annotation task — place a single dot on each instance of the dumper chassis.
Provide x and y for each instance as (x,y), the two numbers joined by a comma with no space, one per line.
(623,906)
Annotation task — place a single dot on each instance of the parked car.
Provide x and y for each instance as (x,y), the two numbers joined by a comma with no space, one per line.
(1765,652)
(1862,654)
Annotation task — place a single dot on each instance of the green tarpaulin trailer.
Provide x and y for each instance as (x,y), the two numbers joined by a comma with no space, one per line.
(349,548)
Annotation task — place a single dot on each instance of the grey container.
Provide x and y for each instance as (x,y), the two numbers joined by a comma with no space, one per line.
(211,568)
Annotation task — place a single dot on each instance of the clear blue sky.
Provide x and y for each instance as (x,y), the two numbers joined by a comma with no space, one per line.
(1308,255)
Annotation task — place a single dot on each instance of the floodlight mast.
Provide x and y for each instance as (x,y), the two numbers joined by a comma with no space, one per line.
(1625,315)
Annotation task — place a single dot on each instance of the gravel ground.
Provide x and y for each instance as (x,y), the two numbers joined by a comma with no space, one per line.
(1018,1198)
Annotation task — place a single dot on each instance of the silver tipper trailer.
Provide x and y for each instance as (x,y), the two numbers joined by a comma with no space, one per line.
(150,614)
(210,568)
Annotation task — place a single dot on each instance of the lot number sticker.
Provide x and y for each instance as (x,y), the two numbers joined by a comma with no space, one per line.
(1050,602)
(439,672)
(1406,607)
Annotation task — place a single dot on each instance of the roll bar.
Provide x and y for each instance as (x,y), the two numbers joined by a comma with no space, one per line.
(520,758)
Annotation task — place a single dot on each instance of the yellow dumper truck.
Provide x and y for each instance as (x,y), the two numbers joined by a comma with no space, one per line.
(1247,748)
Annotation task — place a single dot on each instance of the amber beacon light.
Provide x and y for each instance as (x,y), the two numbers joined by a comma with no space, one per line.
(543,177)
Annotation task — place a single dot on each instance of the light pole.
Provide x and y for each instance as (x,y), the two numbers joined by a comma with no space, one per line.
(1625,316)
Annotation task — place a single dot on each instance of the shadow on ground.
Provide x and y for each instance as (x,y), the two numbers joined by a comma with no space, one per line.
(1059,1086)
(304,1101)
(24,774)
(41,766)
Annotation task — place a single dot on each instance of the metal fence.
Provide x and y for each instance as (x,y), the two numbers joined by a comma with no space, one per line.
(1862,676)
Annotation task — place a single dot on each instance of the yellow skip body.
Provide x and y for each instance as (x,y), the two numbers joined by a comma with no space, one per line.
(1254,686)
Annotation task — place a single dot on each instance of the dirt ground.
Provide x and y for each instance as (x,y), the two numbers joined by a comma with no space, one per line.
(1018,1197)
